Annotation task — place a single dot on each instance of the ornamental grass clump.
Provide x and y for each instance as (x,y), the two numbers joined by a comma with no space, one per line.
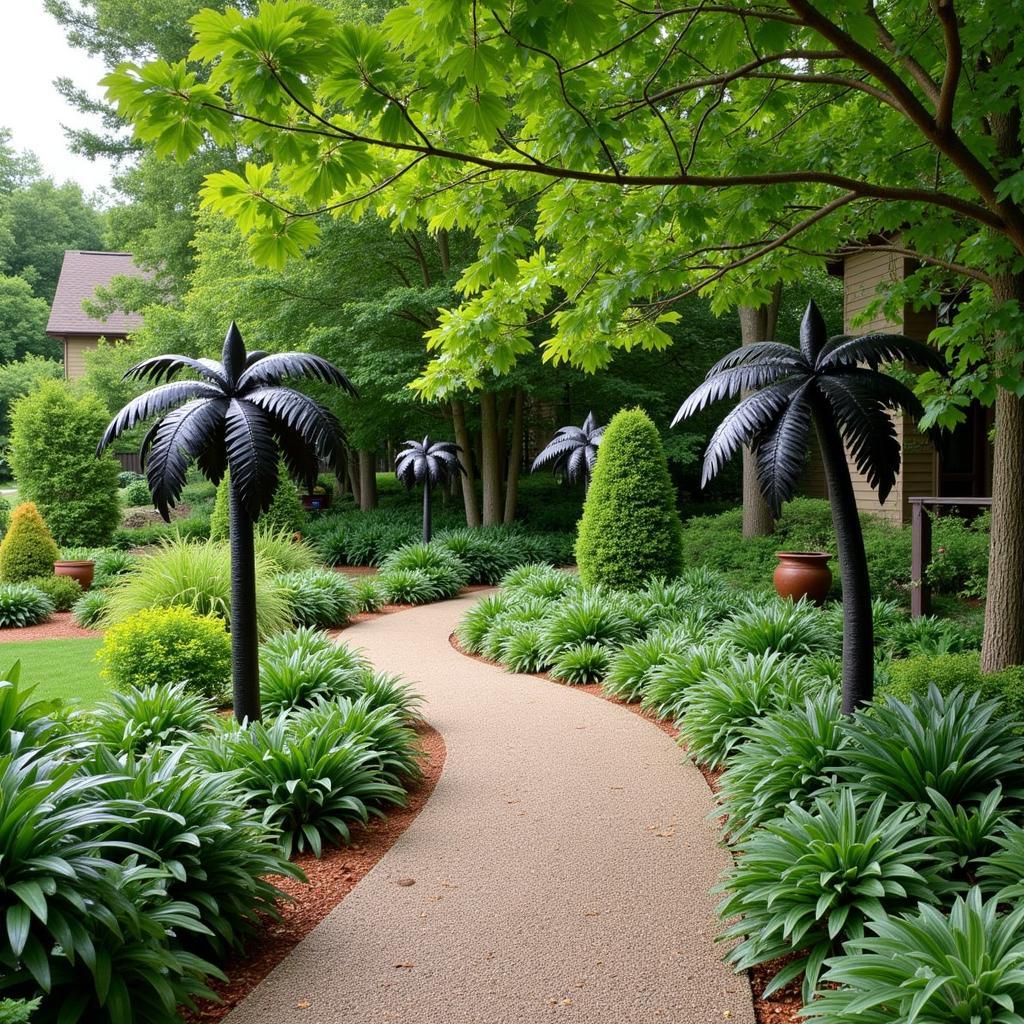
(164,646)
(523,648)
(668,684)
(630,531)
(476,623)
(299,667)
(319,597)
(631,667)
(780,625)
(590,617)
(90,609)
(28,548)
(811,880)
(925,966)
(580,664)
(728,700)
(21,605)
(487,558)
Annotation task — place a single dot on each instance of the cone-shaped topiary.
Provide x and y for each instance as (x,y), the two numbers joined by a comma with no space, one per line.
(28,549)
(285,515)
(630,530)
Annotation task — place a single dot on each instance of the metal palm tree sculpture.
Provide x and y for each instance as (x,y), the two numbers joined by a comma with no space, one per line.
(234,416)
(428,463)
(572,451)
(836,385)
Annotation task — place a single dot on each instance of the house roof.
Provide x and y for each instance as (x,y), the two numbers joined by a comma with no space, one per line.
(80,275)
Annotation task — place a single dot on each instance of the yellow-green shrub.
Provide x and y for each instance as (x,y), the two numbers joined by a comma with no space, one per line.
(164,646)
(28,549)
(630,530)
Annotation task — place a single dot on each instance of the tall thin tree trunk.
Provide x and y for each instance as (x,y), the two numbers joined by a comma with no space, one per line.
(490,461)
(463,440)
(367,480)
(858,628)
(757,323)
(515,457)
(426,512)
(352,472)
(1003,642)
(245,667)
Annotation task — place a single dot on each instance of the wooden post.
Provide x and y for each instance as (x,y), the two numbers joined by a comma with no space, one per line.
(920,558)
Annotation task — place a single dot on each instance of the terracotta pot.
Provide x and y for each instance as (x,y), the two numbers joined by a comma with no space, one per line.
(803,574)
(81,571)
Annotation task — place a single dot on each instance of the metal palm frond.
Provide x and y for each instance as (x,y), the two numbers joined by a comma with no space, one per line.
(837,377)
(572,451)
(427,462)
(235,416)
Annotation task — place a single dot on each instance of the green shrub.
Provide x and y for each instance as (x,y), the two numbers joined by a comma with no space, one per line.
(90,609)
(785,757)
(727,701)
(309,785)
(284,551)
(5,519)
(667,685)
(63,591)
(631,666)
(523,648)
(541,580)
(163,646)
(928,966)
(157,715)
(285,515)
(28,549)
(967,834)
(811,880)
(580,664)
(222,852)
(931,636)
(477,622)
(383,690)
(54,431)
(590,617)
(25,723)
(319,597)
(418,586)
(1001,873)
(630,530)
(486,557)
(22,605)
(960,550)
(17,1011)
(136,493)
(432,558)
(368,595)
(110,564)
(197,576)
(782,626)
(957,745)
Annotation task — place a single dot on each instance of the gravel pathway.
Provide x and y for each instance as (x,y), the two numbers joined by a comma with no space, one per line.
(560,871)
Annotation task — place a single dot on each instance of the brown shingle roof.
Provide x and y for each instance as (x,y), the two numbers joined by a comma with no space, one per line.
(81,274)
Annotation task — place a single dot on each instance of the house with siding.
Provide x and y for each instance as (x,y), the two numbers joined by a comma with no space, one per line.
(961,465)
(81,274)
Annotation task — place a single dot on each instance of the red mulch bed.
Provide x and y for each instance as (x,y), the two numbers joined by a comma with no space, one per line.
(60,626)
(331,879)
(781,1007)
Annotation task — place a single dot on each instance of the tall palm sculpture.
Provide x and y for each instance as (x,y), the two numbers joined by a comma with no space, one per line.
(835,385)
(428,463)
(572,451)
(234,416)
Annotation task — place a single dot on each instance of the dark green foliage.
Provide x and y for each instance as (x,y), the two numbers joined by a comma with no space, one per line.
(368,594)
(580,664)
(90,608)
(419,586)
(486,556)
(810,880)
(28,549)
(63,591)
(110,564)
(17,1011)
(136,493)
(778,625)
(590,617)
(929,966)
(667,686)
(630,530)
(54,432)
(633,665)
(319,597)
(22,605)
(298,668)
(929,636)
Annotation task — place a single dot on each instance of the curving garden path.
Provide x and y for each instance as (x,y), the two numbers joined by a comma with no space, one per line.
(559,871)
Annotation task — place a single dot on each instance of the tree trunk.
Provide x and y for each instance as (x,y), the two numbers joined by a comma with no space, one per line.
(515,457)
(426,512)
(858,628)
(352,472)
(245,667)
(463,440)
(367,480)
(757,323)
(490,461)
(1003,643)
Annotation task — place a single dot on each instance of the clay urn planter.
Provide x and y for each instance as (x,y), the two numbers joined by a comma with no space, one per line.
(803,574)
(82,571)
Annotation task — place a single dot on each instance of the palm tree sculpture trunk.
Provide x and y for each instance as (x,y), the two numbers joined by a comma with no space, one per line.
(427,531)
(858,627)
(245,668)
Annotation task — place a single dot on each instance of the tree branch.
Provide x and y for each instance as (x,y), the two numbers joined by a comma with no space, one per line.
(954,63)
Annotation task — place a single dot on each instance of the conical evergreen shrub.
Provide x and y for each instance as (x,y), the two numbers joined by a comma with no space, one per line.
(285,515)
(28,549)
(630,530)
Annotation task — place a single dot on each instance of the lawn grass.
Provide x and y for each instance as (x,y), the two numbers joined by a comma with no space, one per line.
(58,668)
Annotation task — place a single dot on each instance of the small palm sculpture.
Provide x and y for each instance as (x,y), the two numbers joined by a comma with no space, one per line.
(428,463)
(234,416)
(836,385)
(572,451)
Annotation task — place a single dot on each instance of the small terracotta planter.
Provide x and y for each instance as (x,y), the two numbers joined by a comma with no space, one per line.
(803,574)
(80,571)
